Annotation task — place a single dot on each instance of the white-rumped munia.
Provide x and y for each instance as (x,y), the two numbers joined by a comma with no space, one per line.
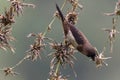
(79,41)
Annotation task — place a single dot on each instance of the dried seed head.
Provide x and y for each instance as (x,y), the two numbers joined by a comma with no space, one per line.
(99,59)
(62,54)
(72,17)
(7,18)
(54,76)
(75,4)
(5,38)
(35,49)
(18,6)
(9,71)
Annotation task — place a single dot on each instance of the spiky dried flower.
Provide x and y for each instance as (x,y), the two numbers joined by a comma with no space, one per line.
(5,38)
(5,30)
(17,6)
(72,17)
(54,76)
(63,54)
(75,4)
(37,46)
(116,10)
(9,71)
(99,60)
(7,18)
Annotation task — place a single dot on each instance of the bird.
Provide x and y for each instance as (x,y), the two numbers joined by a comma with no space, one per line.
(79,41)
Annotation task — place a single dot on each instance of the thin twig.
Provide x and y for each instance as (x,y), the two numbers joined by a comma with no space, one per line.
(21,61)
(57,68)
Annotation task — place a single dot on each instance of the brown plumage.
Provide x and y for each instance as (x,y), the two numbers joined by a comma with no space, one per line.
(77,39)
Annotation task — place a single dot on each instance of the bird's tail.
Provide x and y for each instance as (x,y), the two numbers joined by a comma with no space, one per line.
(60,13)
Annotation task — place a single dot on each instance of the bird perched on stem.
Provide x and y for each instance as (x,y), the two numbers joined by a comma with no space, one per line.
(79,41)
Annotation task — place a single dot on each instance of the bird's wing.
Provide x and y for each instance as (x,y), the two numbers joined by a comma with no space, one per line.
(78,35)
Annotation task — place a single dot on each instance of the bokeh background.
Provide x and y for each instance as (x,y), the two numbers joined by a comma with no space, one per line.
(91,21)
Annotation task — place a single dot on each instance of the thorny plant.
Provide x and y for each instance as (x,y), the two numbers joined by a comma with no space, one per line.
(63,53)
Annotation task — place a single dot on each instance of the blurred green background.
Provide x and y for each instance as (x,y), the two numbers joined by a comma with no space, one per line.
(91,21)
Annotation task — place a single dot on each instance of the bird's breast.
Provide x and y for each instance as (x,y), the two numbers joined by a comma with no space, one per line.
(71,39)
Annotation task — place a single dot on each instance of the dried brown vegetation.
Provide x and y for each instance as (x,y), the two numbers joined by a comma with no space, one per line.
(64,51)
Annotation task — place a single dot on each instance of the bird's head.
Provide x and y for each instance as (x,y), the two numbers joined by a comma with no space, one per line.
(97,57)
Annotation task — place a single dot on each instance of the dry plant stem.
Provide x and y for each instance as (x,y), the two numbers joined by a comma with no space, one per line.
(57,68)
(111,47)
(21,61)
(54,17)
(9,70)
(112,33)
(115,21)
